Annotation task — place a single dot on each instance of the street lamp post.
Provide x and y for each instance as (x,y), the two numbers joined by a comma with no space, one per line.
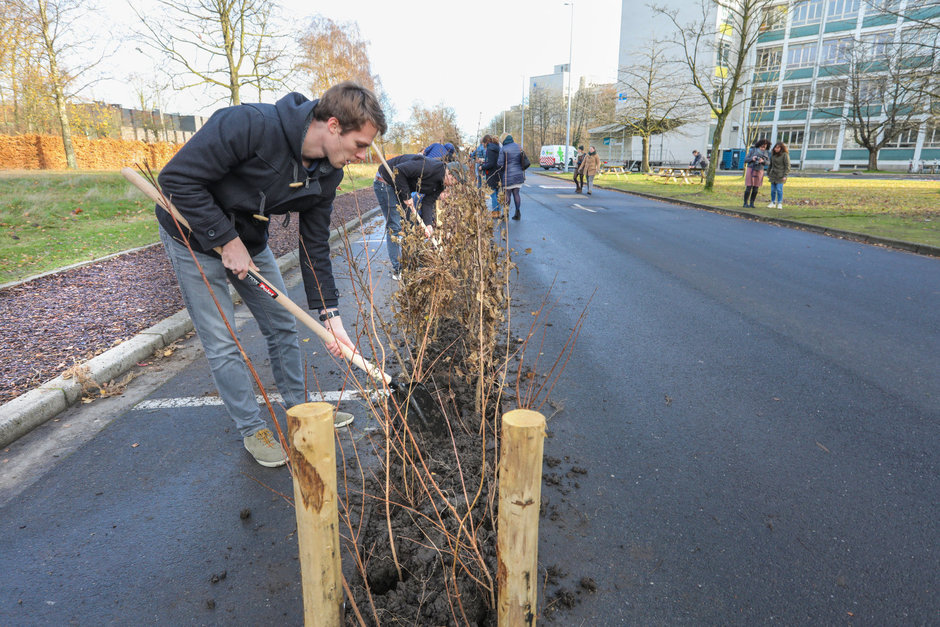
(570,76)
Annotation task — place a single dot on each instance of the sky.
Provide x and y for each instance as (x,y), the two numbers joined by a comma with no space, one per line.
(473,56)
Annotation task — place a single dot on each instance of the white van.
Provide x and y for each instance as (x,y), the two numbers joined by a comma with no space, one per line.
(553,156)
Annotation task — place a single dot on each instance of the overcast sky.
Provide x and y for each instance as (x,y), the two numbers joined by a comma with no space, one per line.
(474,56)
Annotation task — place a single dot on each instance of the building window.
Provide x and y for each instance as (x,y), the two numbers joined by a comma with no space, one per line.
(885,6)
(836,51)
(724,54)
(795,97)
(842,9)
(762,132)
(823,137)
(801,56)
(907,138)
(774,18)
(792,136)
(763,99)
(878,45)
(830,95)
(768,59)
(932,136)
(807,12)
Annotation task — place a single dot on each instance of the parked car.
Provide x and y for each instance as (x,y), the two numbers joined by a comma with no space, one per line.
(554,156)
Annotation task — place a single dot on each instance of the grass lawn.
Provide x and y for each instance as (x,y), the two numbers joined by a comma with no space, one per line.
(50,219)
(907,210)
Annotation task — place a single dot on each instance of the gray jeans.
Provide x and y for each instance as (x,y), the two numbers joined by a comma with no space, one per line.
(232,378)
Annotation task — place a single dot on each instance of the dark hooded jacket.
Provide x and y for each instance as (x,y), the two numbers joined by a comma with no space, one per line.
(246,162)
(417,173)
(491,166)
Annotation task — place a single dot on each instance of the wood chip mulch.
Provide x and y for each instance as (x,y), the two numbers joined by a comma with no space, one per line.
(51,323)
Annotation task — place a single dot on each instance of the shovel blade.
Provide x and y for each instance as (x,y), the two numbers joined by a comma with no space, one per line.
(419,406)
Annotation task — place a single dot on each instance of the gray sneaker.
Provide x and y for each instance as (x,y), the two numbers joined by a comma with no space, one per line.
(341,419)
(265,448)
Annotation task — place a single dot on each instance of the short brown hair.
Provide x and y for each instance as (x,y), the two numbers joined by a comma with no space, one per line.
(783,147)
(353,105)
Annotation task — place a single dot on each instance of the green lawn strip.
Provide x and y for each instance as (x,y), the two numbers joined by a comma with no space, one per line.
(906,210)
(51,219)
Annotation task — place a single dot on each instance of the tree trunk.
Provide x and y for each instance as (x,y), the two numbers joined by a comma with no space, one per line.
(872,159)
(716,153)
(645,164)
(63,114)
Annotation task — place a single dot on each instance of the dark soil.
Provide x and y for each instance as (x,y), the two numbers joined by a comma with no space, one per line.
(434,588)
(49,324)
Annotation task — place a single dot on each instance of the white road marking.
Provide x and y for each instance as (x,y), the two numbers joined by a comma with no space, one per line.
(557,186)
(583,208)
(210,401)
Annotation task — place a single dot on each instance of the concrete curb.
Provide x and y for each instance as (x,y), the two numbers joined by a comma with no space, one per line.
(920,249)
(31,409)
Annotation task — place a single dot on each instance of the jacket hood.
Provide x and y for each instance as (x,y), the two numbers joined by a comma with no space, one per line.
(296,113)
(508,140)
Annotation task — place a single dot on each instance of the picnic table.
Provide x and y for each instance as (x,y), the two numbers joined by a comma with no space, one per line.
(616,170)
(679,173)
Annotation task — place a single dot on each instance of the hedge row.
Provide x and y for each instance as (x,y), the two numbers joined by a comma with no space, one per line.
(45,152)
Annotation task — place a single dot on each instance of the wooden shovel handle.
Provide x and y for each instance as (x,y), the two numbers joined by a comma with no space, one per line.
(255,279)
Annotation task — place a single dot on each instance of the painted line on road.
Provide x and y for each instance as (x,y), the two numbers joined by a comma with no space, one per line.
(557,186)
(211,401)
(583,208)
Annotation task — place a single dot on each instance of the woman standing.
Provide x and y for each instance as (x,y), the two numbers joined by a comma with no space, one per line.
(590,167)
(756,160)
(510,160)
(777,173)
(491,170)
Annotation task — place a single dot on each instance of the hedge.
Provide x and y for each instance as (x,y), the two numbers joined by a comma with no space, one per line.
(45,152)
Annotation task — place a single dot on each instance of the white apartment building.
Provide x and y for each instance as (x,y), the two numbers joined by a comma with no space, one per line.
(793,91)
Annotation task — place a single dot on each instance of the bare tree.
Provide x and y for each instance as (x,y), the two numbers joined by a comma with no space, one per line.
(715,49)
(332,52)
(886,91)
(437,124)
(55,25)
(655,102)
(226,44)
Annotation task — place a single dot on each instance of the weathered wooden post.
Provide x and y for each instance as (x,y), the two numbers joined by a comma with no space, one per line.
(313,459)
(520,493)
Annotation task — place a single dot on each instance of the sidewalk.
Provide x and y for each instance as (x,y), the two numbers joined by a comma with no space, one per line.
(29,410)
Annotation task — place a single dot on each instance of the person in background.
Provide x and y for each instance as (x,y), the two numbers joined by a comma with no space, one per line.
(443,152)
(492,170)
(756,161)
(697,160)
(777,172)
(410,174)
(513,176)
(590,167)
(226,191)
(578,175)
(479,156)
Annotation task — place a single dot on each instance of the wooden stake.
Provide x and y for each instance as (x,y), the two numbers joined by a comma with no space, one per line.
(520,493)
(313,459)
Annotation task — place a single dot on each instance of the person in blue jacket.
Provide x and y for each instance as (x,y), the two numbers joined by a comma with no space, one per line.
(444,152)
(248,163)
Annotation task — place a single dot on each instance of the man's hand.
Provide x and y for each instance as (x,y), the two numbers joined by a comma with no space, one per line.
(335,326)
(428,231)
(235,257)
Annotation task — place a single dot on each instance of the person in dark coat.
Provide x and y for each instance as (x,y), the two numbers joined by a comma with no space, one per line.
(758,158)
(492,170)
(578,174)
(247,163)
(410,174)
(513,176)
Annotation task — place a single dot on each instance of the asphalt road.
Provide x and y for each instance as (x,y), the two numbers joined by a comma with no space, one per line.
(746,432)
(757,410)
